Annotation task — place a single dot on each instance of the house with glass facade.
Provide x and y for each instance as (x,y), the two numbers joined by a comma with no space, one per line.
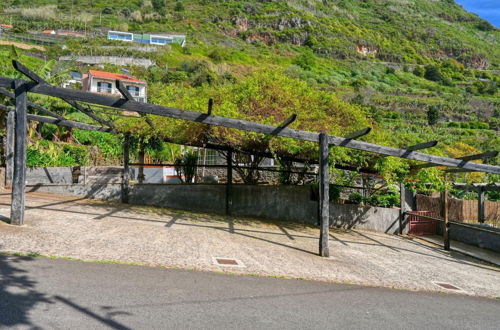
(159,39)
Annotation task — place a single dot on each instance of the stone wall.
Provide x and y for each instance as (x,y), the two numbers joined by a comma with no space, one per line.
(287,203)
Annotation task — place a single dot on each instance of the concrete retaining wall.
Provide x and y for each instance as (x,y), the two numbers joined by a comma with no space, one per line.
(49,175)
(288,203)
(482,239)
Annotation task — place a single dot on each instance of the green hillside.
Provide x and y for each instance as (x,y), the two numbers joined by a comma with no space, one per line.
(414,70)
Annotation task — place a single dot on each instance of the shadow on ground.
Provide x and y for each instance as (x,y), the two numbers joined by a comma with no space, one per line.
(19,296)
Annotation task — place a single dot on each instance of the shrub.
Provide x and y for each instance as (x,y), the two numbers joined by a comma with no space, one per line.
(108,11)
(185,166)
(179,6)
(433,73)
(433,115)
(174,76)
(418,71)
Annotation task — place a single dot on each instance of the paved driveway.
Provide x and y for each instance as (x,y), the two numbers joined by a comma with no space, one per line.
(92,230)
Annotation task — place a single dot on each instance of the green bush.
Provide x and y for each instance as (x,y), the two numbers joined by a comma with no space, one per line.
(433,73)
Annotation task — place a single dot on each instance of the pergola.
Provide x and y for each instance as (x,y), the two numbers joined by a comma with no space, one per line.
(17,121)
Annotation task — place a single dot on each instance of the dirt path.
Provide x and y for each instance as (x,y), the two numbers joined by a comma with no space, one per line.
(21,45)
(92,230)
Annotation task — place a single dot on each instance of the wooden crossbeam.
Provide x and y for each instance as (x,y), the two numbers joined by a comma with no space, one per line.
(39,80)
(110,101)
(288,121)
(458,170)
(465,159)
(32,105)
(126,94)
(210,106)
(59,122)
(420,146)
(358,134)
(485,155)
(473,187)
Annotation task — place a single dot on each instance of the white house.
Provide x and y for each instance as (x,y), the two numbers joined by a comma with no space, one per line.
(159,39)
(105,83)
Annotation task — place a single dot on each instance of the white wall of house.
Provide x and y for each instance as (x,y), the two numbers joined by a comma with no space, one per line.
(138,91)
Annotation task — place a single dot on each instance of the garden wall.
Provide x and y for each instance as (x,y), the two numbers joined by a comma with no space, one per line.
(287,203)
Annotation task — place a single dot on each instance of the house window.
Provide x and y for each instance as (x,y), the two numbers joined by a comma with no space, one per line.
(104,87)
(133,90)
(119,36)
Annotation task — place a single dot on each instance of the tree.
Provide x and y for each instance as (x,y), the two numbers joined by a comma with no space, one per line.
(433,73)
(432,115)
(159,5)
(179,6)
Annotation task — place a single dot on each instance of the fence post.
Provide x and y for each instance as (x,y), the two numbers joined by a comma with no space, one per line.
(480,206)
(444,212)
(324,196)
(19,176)
(229,183)
(126,168)
(9,148)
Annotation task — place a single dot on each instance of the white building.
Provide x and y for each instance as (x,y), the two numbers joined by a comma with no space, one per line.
(105,83)
(159,39)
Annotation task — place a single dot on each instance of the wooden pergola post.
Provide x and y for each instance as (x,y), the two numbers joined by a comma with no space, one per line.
(19,175)
(402,206)
(480,206)
(141,176)
(324,196)
(9,148)
(126,168)
(444,212)
(229,183)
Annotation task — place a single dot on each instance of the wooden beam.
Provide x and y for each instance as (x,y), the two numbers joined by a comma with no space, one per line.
(229,184)
(484,155)
(19,180)
(109,101)
(126,169)
(142,155)
(358,134)
(64,122)
(210,106)
(481,206)
(463,160)
(444,213)
(32,105)
(477,187)
(288,121)
(402,206)
(69,123)
(40,81)
(9,148)
(324,196)
(126,94)
(420,146)
(458,170)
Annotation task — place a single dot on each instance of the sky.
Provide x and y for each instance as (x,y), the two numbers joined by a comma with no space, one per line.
(487,9)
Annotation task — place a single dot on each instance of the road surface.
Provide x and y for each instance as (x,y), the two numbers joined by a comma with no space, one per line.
(43,293)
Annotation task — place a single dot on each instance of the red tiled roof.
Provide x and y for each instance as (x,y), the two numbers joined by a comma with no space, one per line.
(6,25)
(48,31)
(114,76)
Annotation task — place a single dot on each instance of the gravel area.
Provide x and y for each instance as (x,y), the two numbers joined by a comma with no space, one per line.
(93,230)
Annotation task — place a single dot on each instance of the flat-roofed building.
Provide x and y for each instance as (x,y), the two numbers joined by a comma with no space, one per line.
(159,39)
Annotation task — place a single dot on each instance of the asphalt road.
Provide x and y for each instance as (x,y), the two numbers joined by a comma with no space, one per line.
(46,293)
